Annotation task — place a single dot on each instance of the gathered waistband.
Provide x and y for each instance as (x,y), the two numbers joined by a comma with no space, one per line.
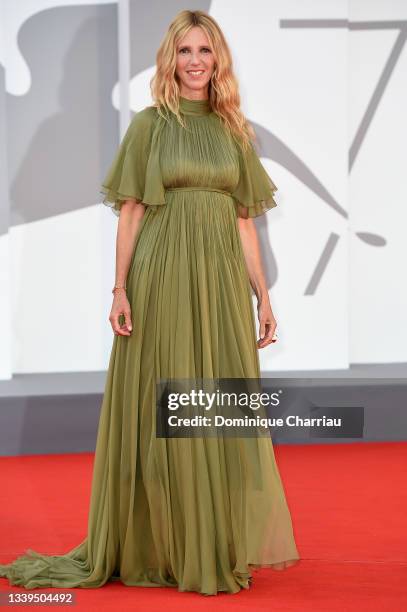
(199,189)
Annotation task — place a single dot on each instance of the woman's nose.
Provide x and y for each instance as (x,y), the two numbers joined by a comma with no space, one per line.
(195,60)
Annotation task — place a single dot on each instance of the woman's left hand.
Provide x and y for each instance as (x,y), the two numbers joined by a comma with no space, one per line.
(267,324)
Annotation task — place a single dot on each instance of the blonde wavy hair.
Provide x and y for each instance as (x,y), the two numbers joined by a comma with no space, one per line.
(223,89)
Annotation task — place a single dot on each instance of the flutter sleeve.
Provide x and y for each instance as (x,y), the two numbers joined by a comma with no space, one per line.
(254,194)
(134,173)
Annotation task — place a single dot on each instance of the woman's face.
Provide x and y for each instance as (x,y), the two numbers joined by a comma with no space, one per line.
(195,64)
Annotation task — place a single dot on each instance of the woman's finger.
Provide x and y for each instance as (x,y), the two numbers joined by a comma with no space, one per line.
(268,337)
(127,318)
(119,330)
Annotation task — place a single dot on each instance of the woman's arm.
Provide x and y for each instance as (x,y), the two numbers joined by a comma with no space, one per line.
(131,214)
(251,250)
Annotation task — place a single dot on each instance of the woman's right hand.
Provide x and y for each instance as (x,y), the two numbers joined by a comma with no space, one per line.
(121,306)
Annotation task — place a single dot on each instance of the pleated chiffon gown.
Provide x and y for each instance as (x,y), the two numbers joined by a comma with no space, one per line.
(192,513)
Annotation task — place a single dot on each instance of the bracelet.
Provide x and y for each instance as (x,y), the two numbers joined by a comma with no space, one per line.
(118,287)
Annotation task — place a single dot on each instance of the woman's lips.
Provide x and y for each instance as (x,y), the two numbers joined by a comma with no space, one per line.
(195,73)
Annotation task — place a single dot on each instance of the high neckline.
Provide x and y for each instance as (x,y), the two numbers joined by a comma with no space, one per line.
(194,107)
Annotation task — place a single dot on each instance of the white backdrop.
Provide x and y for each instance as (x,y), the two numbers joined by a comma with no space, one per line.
(315,87)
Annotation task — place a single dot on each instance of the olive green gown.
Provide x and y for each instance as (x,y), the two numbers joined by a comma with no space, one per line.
(192,513)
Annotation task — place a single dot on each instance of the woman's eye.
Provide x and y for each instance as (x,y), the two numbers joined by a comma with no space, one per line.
(185,50)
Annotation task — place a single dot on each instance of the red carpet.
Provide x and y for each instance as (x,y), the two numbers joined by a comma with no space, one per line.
(349,509)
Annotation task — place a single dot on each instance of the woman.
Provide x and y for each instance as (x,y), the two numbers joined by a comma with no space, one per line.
(193,513)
